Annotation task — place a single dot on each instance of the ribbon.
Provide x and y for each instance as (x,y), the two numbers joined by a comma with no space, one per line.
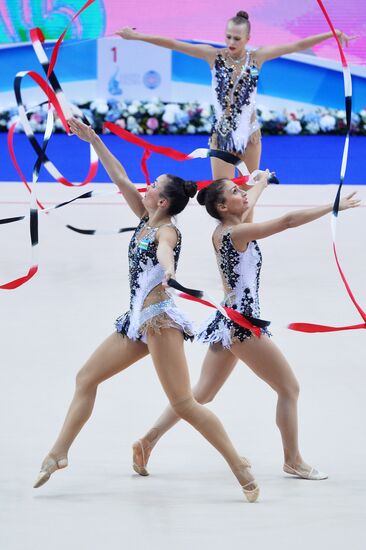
(57,99)
(310,327)
(250,323)
(33,217)
(174,154)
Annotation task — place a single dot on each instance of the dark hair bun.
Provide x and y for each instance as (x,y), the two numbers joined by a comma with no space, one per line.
(190,188)
(201,197)
(243,14)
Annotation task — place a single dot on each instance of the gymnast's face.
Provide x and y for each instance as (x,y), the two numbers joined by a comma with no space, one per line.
(154,196)
(236,38)
(235,200)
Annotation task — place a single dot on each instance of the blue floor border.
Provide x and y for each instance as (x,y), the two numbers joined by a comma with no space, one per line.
(296,159)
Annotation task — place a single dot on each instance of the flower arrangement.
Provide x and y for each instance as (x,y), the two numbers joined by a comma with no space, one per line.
(156,117)
(316,122)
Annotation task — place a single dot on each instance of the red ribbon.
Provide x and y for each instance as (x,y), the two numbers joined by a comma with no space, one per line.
(58,43)
(234,315)
(161,150)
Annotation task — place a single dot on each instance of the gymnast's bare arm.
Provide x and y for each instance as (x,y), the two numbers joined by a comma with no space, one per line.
(202,51)
(115,170)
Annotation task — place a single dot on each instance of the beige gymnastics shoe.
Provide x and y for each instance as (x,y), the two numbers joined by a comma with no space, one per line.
(138,450)
(49,466)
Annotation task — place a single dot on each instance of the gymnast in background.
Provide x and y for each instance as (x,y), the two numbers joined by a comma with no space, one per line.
(235,71)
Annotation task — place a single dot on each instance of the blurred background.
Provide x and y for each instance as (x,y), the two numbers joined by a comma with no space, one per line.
(153,91)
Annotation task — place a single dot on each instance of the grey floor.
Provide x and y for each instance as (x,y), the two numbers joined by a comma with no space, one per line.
(191,500)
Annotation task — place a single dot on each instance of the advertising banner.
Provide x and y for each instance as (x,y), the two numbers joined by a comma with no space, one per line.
(133,70)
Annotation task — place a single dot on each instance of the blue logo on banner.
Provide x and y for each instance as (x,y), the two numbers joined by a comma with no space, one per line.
(152,79)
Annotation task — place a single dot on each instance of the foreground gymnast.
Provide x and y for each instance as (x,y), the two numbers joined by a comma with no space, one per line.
(239,261)
(235,70)
(152,325)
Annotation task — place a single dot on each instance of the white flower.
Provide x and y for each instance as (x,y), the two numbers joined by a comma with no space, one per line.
(363,114)
(169,117)
(205,113)
(327,123)
(152,109)
(207,128)
(313,127)
(341,114)
(132,109)
(40,127)
(266,115)
(172,108)
(14,119)
(33,124)
(131,121)
(191,129)
(137,103)
(206,109)
(293,127)
(100,106)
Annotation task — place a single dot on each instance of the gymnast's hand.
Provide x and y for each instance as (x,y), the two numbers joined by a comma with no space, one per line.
(262,177)
(349,202)
(84,132)
(344,39)
(169,274)
(128,33)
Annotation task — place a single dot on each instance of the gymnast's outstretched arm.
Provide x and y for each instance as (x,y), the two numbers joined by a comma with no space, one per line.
(202,51)
(115,170)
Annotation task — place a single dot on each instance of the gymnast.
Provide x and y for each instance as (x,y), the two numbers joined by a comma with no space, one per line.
(235,71)
(239,262)
(153,325)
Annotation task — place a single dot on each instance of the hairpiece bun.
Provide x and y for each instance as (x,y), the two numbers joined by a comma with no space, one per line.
(243,14)
(201,197)
(190,188)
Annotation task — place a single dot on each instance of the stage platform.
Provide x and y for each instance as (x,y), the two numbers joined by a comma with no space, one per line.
(191,500)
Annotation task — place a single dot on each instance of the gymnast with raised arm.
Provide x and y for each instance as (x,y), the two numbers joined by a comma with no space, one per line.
(239,262)
(153,325)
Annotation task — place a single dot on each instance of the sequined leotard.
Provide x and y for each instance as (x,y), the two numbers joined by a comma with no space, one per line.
(234,90)
(240,273)
(151,307)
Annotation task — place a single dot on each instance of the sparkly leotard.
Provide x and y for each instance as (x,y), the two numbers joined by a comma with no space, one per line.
(234,90)
(151,307)
(240,273)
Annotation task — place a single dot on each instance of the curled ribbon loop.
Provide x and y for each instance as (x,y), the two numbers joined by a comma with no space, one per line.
(57,99)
